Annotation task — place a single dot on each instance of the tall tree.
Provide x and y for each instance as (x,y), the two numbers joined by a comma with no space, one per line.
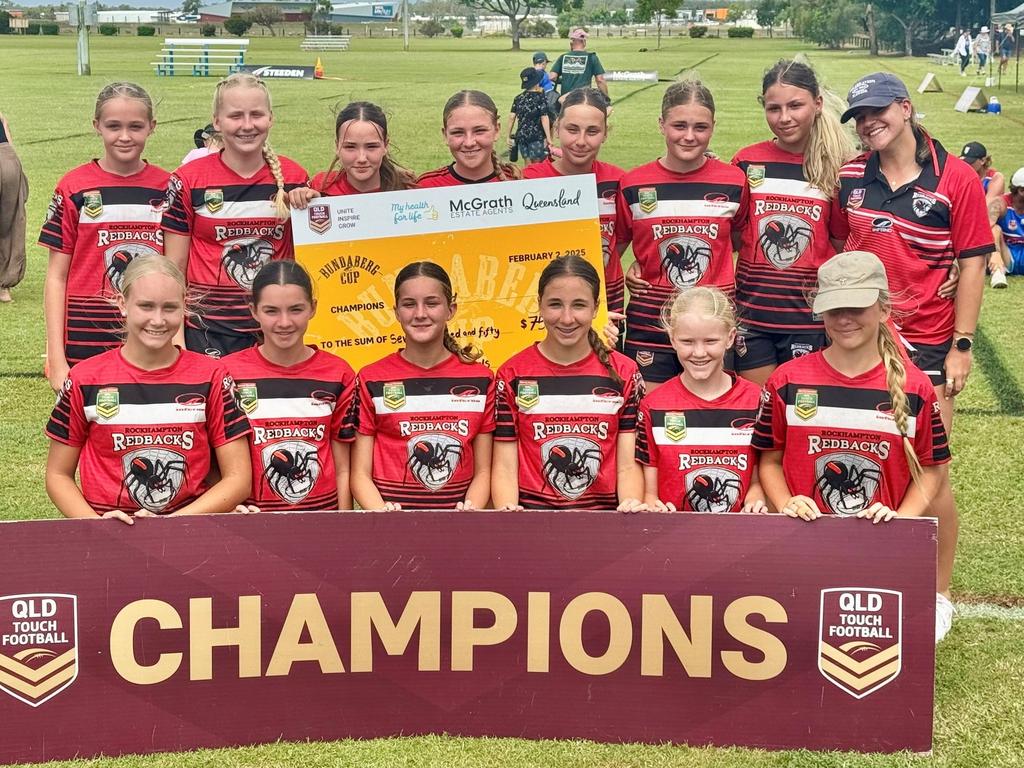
(266,16)
(320,15)
(515,11)
(912,15)
(190,6)
(646,10)
(768,12)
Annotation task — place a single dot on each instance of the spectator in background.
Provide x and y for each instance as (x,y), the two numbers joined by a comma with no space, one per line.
(982,48)
(207,143)
(1010,258)
(992,181)
(13,194)
(962,50)
(540,62)
(1005,47)
(530,113)
(578,67)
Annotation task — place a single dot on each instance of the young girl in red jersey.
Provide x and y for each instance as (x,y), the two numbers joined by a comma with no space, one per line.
(695,430)
(680,212)
(362,156)
(425,414)
(567,405)
(103,214)
(296,398)
(853,429)
(791,180)
(582,127)
(470,128)
(227,216)
(140,423)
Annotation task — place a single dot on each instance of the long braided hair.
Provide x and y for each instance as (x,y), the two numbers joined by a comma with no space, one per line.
(895,382)
(470,98)
(467,353)
(392,175)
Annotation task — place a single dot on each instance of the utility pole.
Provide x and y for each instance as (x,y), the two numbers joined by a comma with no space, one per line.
(83,41)
(405,24)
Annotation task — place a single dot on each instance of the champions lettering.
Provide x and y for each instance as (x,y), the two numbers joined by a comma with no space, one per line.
(106,236)
(768,206)
(123,441)
(659,231)
(307,634)
(263,434)
(817,444)
(598,430)
(460,427)
(686,461)
(276,232)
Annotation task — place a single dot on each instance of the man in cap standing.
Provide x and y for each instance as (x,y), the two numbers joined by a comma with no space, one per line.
(541,61)
(578,67)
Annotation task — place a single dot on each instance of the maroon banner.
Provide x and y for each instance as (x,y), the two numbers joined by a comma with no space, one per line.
(180,633)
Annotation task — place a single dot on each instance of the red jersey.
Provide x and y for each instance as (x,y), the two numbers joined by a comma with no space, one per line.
(701,448)
(102,221)
(447,177)
(146,436)
(917,231)
(424,421)
(234,231)
(295,412)
(681,226)
(785,240)
(839,440)
(567,419)
(608,176)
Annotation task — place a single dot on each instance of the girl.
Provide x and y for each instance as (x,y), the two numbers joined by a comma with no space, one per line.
(470,128)
(582,128)
(296,398)
(226,216)
(695,437)
(567,408)
(921,210)
(426,412)
(141,422)
(791,180)
(361,136)
(103,214)
(679,212)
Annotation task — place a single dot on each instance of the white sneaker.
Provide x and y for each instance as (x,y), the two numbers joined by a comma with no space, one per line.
(943,616)
(999,278)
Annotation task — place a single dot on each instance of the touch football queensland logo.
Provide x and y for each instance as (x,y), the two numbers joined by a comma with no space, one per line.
(38,645)
(860,638)
(319,217)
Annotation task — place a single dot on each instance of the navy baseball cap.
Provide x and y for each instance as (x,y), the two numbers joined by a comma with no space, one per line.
(973,150)
(530,77)
(540,56)
(879,89)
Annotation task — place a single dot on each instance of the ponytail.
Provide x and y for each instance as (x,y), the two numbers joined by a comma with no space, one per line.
(280,198)
(505,171)
(467,353)
(895,381)
(829,147)
(604,355)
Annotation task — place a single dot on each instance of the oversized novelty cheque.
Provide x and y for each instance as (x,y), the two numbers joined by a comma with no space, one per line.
(494,240)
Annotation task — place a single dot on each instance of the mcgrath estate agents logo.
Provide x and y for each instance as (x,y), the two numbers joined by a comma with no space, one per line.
(38,645)
(479,206)
(860,638)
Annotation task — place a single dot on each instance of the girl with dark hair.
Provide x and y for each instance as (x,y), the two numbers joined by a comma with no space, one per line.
(296,398)
(567,406)
(680,212)
(424,415)
(791,180)
(582,128)
(470,127)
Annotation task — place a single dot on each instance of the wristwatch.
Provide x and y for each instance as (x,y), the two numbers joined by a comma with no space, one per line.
(963,343)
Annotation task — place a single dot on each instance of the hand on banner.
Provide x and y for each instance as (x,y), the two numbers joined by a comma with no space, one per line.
(117,514)
(246,509)
(802,507)
(299,197)
(878,513)
(392,506)
(511,508)
(948,289)
(755,506)
(632,506)
(465,506)
(662,506)
(145,513)
(636,284)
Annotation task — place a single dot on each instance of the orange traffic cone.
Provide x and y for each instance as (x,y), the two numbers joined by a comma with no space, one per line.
(318,70)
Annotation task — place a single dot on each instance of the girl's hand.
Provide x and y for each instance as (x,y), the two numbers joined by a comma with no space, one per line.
(948,289)
(57,374)
(632,506)
(662,506)
(511,508)
(246,509)
(117,514)
(755,506)
(802,507)
(145,513)
(878,513)
(636,284)
(465,506)
(611,329)
(392,506)
(299,197)
(958,368)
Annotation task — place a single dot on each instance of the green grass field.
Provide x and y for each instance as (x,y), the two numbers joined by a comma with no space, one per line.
(979,680)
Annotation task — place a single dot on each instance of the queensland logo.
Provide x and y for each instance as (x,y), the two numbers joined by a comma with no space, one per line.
(648,199)
(152,477)
(922,204)
(684,260)
(242,259)
(38,645)
(860,637)
(433,459)
(741,345)
(675,426)
(247,397)
(291,469)
(108,402)
(213,199)
(92,203)
(571,464)
(846,482)
(394,395)
(881,224)
(527,394)
(856,199)
(755,176)
(319,217)
(783,239)
(644,358)
(805,404)
(713,489)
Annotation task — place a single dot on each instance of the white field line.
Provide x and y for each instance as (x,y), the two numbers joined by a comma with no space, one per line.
(988,611)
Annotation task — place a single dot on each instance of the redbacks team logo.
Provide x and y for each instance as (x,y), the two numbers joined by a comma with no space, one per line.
(213,199)
(394,395)
(247,397)
(713,489)
(684,260)
(922,204)
(648,199)
(675,426)
(117,259)
(152,477)
(242,259)
(527,394)
(433,459)
(856,199)
(38,645)
(571,464)
(783,239)
(847,482)
(861,633)
(805,404)
(92,203)
(291,469)
(755,176)
(319,217)
(108,402)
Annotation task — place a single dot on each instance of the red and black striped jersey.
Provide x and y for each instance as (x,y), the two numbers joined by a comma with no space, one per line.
(608,177)
(785,240)
(701,448)
(102,221)
(567,420)
(295,412)
(681,227)
(839,441)
(424,422)
(917,231)
(146,436)
(234,232)
(447,177)
(339,185)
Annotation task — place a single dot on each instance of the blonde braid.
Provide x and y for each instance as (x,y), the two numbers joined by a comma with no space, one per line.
(467,354)
(281,198)
(895,381)
(505,171)
(829,146)
(604,355)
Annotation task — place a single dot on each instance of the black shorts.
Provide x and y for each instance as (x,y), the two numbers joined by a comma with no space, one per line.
(755,348)
(658,367)
(931,358)
(218,345)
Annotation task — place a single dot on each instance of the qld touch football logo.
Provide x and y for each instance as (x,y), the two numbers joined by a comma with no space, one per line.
(38,645)
(860,638)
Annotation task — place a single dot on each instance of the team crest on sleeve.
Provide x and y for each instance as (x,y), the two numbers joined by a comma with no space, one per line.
(847,482)
(713,489)
(319,217)
(213,199)
(117,259)
(108,402)
(56,206)
(675,426)
(38,645)
(242,259)
(856,198)
(247,397)
(153,477)
(648,199)
(394,395)
(755,176)
(92,203)
(684,260)
(291,469)
(433,459)
(571,464)
(860,638)
(805,404)
(527,394)
(783,239)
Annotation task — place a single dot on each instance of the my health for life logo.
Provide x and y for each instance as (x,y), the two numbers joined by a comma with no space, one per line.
(860,640)
(38,645)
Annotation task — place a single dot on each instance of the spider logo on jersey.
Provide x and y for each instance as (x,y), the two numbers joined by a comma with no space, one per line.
(117,260)
(433,459)
(152,477)
(291,469)
(783,239)
(922,204)
(571,465)
(243,258)
(847,482)
(685,260)
(713,490)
